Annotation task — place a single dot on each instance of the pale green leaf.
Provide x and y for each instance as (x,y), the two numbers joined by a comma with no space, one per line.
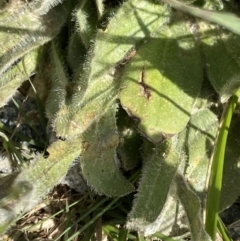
(200,140)
(100,7)
(97,88)
(192,207)
(59,80)
(158,173)
(42,7)
(221,50)
(21,31)
(162,80)
(14,77)
(86,19)
(37,180)
(99,159)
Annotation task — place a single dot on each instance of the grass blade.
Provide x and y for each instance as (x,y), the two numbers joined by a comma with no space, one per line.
(222,230)
(228,20)
(215,180)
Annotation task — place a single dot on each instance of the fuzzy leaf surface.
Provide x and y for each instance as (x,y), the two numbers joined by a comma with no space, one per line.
(15,76)
(97,89)
(87,19)
(200,139)
(162,80)
(99,159)
(221,51)
(76,53)
(59,81)
(42,7)
(158,173)
(32,184)
(100,7)
(197,141)
(22,31)
(192,206)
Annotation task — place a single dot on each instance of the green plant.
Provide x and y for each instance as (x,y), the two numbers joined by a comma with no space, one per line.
(143,84)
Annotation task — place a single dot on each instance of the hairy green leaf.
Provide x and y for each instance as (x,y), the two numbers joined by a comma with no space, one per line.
(32,184)
(22,31)
(158,173)
(97,89)
(221,51)
(87,19)
(162,80)
(99,159)
(42,7)
(76,54)
(14,77)
(200,139)
(192,206)
(197,143)
(59,80)
(100,7)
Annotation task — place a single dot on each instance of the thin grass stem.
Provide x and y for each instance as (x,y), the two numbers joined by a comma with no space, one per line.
(215,179)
